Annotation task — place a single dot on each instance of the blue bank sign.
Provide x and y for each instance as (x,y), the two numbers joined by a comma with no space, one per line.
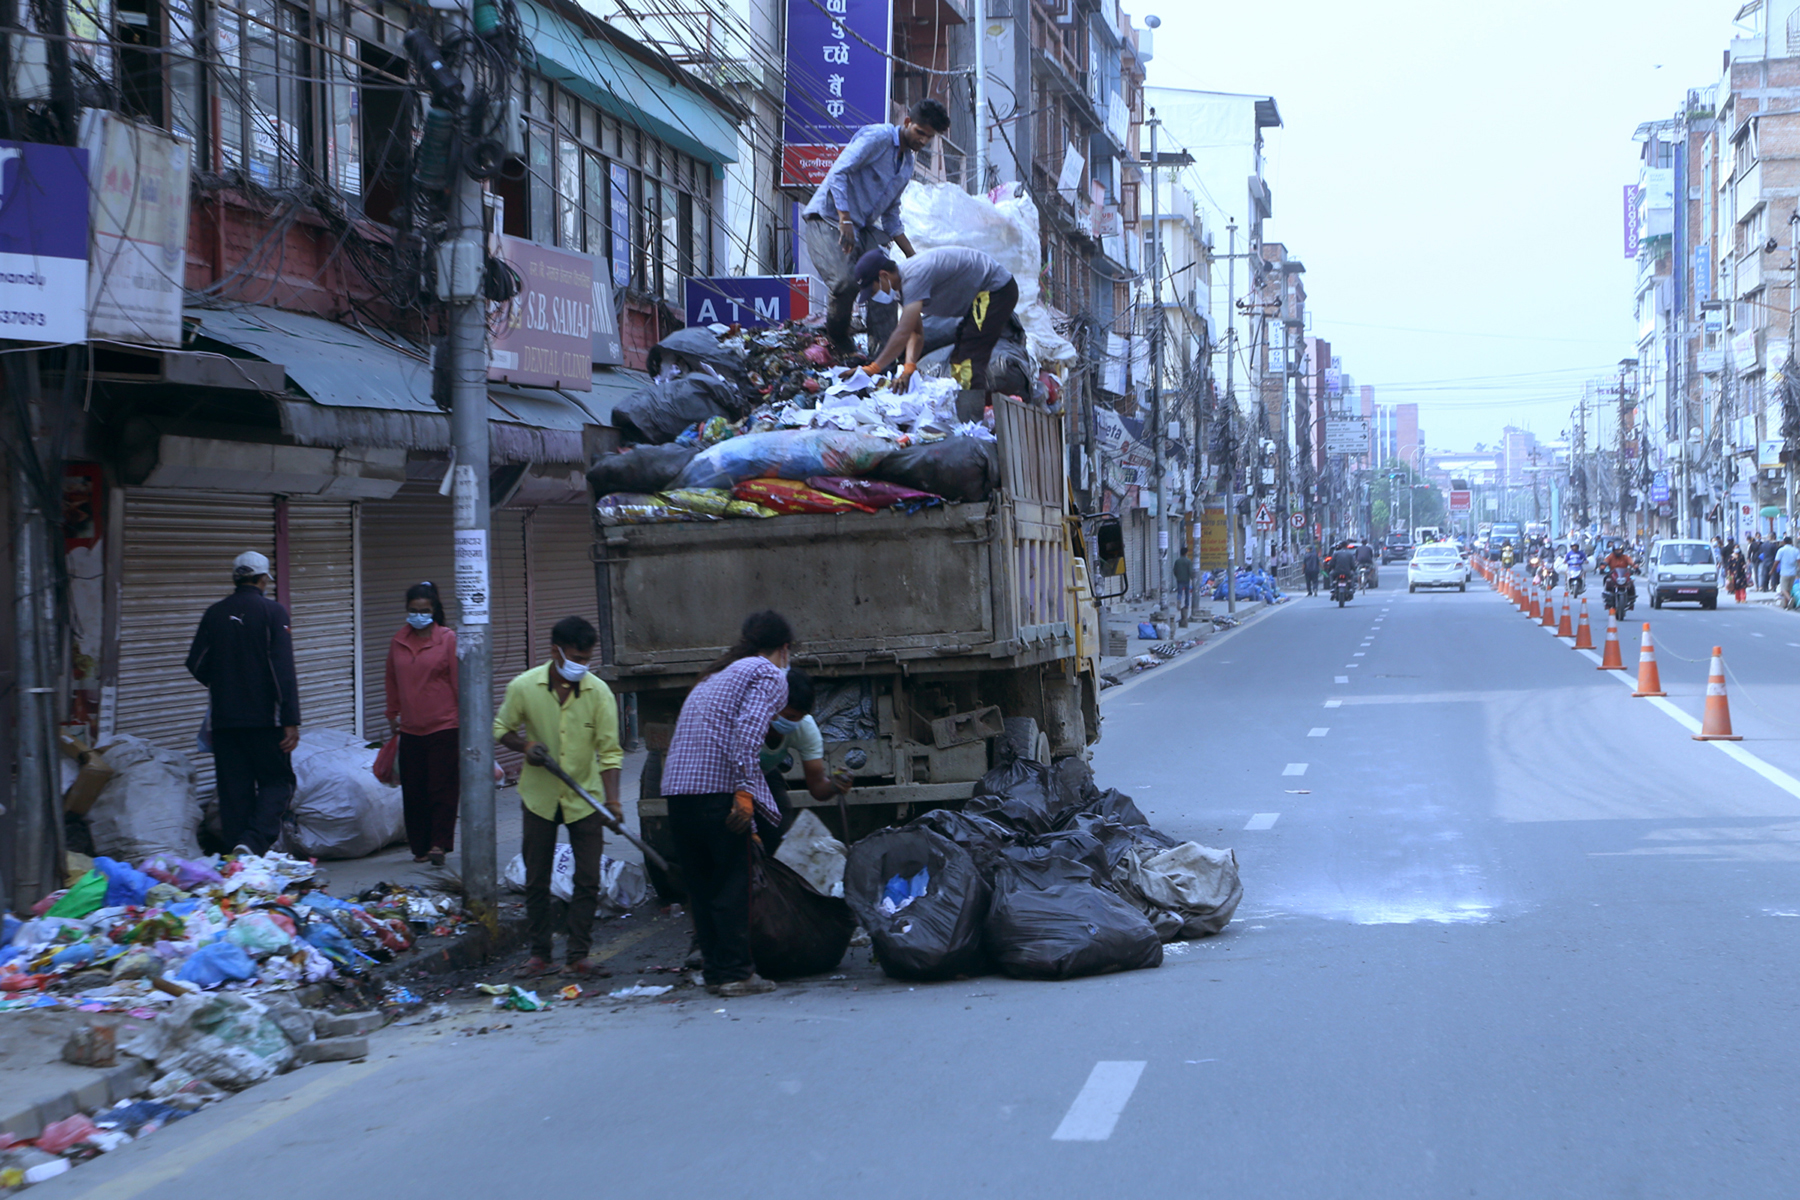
(748,300)
(43,243)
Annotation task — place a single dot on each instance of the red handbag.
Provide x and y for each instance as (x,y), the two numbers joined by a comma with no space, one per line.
(387,762)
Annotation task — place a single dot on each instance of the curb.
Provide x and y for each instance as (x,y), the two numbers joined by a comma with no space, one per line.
(473,948)
(109,1087)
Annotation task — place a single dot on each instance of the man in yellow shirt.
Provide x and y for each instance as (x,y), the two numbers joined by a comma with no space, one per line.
(561,712)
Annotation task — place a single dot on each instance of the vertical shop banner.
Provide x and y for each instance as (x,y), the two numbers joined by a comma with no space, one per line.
(1631,220)
(43,243)
(544,336)
(139,216)
(837,81)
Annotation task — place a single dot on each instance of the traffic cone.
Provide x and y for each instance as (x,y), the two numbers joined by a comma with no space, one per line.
(1549,609)
(1649,681)
(1562,626)
(1584,637)
(1535,611)
(1610,658)
(1715,722)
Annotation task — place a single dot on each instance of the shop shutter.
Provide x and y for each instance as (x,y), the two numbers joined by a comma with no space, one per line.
(178,549)
(559,551)
(405,540)
(320,595)
(513,648)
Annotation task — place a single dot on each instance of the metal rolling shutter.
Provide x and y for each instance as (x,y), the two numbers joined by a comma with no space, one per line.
(322,606)
(513,649)
(178,549)
(405,540)
(562,570)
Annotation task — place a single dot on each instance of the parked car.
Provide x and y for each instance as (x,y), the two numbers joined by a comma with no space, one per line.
(1398,547)
(1683,570)
(1437,565)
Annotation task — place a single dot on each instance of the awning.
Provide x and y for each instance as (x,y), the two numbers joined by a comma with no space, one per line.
(634,91)
(362,391)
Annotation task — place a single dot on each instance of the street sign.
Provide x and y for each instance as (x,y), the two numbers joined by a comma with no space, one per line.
(752,300)
(1298,520)
(1263,518)
(1659,488)
(1346,435)
(1459,501)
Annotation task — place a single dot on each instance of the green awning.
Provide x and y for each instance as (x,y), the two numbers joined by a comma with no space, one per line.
(628,89)
(1771,511)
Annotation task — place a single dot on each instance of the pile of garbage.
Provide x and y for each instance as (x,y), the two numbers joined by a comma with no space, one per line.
(1042,875)
(1250,585)
(136,939)
(76,1139)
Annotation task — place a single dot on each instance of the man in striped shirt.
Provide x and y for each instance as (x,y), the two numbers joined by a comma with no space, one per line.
(857,209)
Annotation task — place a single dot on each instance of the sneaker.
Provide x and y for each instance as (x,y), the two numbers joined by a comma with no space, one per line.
(756,985)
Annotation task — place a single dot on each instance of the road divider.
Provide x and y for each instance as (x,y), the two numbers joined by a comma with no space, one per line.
(1649,681)
(1715,721)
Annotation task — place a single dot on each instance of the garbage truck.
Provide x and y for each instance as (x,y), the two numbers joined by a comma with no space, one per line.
(932,636)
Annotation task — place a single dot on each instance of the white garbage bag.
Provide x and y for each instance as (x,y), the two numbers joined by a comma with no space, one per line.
(150,806)
(1188,890)
(815,855)
(340,808)
(942,214)
(623,885)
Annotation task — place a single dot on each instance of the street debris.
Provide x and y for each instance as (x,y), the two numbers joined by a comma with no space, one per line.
(641,989)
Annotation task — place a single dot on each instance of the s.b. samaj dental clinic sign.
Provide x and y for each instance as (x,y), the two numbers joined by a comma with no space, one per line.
(544,336)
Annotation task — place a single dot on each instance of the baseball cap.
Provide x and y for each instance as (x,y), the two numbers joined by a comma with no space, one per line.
(869,268)
(251,563)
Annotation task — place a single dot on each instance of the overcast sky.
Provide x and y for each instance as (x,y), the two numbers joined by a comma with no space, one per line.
(1451,176)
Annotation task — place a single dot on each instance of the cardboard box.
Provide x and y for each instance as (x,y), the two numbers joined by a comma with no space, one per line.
(90,781)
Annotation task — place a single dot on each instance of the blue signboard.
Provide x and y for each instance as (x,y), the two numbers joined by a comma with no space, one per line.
(748,300)
(837,81)
(43,243)
(1659,488)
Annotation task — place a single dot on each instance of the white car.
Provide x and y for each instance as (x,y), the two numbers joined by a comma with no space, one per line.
(1437,565)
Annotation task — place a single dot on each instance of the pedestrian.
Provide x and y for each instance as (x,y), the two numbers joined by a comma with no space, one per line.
(421,711)
(1786,559)
(856,209)
(560,712)
(1765,564)
(714,786)
(243,652)
(1752,551)
(794,734)
(1182,572)
(1737,571)
(952,281)
(1310,565)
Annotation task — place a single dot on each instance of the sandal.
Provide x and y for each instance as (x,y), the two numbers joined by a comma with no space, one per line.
(419,858)
(535,967)
(436,857)
(587,968)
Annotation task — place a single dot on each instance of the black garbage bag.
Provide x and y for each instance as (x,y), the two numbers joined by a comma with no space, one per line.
(697,349)
(984,839)
(960,469)
(1049,923)
(794,931)
(1118,841)
(1011,369)
(939,934)
(638,469)
(1020,795)
(659,412)
(1077,849)
(1112,804)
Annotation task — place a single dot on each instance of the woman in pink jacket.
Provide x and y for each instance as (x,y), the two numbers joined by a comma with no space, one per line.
(421,707)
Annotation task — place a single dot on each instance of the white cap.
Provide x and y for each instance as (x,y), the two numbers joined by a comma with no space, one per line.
(250,563)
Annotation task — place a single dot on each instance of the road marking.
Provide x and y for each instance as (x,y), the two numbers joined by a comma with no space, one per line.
(1359,654)
(1318,731)
(1347,666)
(1263,821)
(1335,703)
(1756,635)
(1098,1105)
(1340,679)
(1294,769)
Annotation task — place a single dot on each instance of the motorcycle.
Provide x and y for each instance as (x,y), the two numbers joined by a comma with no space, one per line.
(1343,589)
(1577,583)
(1365,577)
(1621,591)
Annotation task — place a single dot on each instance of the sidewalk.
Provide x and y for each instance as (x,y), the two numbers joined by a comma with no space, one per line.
(1124,617)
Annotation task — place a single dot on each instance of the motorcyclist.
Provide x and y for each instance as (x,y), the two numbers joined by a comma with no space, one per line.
(1506,555)
(1620,561)
(1342,564)
(1576,561)
(1365,557)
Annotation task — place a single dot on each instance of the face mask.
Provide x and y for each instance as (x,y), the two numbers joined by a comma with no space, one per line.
(882,298)
(783,726)
(571,671)
(418,620)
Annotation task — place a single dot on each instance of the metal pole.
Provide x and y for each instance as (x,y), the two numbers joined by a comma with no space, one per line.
(1158,440)
(30,860)
(979,8)
(469,490)
(1230,413)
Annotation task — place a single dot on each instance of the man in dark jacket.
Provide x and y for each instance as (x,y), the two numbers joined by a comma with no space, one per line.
(1310,564)
(243,653)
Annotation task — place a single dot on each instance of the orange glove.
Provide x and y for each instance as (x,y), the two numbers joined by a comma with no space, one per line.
(904,377)
(742,809)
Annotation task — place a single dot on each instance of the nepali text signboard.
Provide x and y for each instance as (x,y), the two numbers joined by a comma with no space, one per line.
(837,81)
(1346,435)
(1659,488)
(1459,501)
(139,214)
(748,300)
(1215,547)
(43,243)
(546,335)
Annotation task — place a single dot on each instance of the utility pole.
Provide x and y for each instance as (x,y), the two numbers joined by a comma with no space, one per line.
(981,149)
(1230,413)
(1158,437)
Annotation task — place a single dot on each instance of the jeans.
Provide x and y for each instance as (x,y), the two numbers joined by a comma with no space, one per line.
(1312,583)
(715,862)
(838,270)
(255,785)
(586,837)
(429,787)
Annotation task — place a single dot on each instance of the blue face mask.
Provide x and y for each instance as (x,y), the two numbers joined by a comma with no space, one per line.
(783,726)
(418,620)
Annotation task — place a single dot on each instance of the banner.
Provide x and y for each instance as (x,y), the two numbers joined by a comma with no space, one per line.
(139,215)
(546,338)
(837,81)
(1631,220)
(43,243)
(1215,554)
(1459,501)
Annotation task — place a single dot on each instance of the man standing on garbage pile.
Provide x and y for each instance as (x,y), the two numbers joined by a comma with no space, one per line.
(714,786)
(857,209)
(792,731)
(243,652)
(1182,572)
(951,281)
(560,712)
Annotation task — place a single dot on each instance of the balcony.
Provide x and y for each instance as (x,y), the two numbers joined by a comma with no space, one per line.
(1748,273)
(1749,191)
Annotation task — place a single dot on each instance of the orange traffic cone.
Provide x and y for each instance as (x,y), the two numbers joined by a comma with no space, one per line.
(1610,657)
(1562,626)
(1649,681)
(1535,611)
(1715,722)
(1550,610)
(1584,637)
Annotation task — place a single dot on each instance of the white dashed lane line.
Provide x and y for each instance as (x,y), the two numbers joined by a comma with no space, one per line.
(1098,1105)
(1318,731)
(1294,769)
(1335,703)
(1263,821)
(1341,679)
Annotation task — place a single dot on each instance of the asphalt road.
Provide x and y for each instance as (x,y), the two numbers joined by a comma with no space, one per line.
(1507,932)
